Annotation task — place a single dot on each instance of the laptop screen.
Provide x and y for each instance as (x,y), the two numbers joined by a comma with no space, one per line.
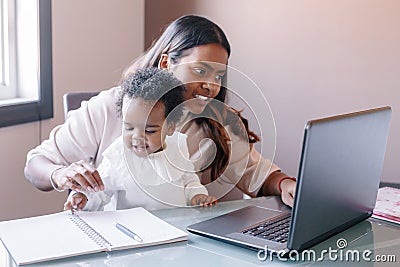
(340,168)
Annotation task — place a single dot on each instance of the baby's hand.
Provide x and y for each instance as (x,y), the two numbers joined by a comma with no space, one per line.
(203,200)
(76,200)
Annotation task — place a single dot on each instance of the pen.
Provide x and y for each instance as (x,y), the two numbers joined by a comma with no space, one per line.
(128,232)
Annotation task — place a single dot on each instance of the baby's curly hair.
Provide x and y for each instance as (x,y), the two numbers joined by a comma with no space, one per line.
(153,84)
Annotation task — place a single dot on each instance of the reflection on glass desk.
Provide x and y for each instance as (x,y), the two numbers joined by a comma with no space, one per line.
(376,239)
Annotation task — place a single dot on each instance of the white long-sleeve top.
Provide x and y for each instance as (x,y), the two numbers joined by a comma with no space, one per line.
(89,130)
(161,180)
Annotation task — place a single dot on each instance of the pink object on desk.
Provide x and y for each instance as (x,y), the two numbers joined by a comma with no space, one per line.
(388,205)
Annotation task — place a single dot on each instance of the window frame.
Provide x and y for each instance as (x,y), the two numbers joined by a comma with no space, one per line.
(42,108)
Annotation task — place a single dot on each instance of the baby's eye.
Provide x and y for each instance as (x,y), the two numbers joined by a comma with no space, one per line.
(127,126)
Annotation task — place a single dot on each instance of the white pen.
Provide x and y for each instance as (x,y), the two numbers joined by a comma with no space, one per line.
(128,232)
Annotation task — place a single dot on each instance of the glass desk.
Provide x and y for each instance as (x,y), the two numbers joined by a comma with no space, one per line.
(376,239)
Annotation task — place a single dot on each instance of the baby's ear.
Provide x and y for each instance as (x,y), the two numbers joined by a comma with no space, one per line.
(170,128)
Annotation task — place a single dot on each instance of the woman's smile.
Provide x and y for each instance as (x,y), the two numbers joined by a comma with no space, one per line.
(202,97)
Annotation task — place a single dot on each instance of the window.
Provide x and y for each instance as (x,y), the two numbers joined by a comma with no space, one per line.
(25,61)
(7,51)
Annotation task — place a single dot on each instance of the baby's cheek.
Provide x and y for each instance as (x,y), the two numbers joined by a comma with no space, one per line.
(127,140)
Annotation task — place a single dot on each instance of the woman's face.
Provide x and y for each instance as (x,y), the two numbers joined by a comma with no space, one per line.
(201,70)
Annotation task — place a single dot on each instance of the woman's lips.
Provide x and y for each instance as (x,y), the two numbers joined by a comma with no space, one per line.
(202,97)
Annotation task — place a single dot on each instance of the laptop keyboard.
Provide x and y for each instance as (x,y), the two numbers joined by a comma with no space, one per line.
(275,230)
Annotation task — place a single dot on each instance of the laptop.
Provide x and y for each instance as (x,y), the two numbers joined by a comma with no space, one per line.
(339,174)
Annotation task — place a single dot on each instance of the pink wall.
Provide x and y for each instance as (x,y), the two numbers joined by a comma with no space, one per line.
(310,59)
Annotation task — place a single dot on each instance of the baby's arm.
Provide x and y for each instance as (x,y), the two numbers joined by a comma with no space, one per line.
(91,201)
(195,192)
(87,201)
(75,200)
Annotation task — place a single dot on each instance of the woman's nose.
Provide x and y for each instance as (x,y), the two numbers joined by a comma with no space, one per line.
(212,88)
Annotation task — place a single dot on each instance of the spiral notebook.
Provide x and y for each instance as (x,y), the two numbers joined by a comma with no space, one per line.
(62,235)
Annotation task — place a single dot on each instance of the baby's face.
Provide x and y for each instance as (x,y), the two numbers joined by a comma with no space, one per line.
(143,123)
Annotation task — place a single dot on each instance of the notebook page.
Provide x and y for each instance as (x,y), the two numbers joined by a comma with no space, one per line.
(45,237)
(149,227)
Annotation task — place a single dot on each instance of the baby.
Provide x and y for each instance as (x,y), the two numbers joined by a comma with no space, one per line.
(144,167)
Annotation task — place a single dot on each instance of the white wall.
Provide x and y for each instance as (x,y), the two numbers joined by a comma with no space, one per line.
(310,58)
(93,41)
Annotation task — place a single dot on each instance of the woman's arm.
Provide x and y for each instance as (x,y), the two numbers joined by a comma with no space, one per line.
(279,183)
(38,171)
(86,133)
(78,176)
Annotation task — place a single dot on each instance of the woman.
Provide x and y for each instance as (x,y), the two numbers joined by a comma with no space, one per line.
(196,50)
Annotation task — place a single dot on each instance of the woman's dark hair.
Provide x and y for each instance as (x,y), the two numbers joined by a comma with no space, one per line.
(182,34)
(157,85)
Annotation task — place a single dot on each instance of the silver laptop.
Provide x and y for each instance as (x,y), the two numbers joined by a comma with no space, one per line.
(338,179)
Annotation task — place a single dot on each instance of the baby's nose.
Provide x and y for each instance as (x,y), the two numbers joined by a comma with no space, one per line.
(136,142)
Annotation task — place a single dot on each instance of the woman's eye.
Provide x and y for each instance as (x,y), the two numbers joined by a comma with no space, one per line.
(150,131)
(219,77)
(199,71)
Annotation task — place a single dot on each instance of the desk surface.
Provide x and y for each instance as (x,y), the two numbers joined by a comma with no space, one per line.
(378,239)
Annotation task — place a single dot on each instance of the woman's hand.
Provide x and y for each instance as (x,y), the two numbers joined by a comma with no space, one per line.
(76,201)
(288,187)
(79,176)
(203,200)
